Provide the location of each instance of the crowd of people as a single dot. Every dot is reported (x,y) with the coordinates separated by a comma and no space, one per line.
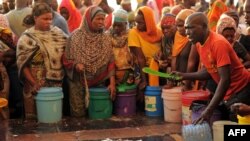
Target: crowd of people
(79,44)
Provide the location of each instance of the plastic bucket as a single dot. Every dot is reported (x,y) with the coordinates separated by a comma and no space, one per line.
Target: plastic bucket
(218,129)
(187,98)
(198,106)
(49,104)
(172,104)
(125,102)
(153,101)
(243,120)
(199,132)
(100,105)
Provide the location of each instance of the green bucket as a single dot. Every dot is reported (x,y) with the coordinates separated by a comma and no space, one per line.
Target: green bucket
(100,104)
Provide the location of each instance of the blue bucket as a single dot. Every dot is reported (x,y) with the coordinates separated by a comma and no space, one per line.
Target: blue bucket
(49,104)
(153,101)
(100,104)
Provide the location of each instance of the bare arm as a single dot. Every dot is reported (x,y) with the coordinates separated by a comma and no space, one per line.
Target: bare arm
(200,75)
(223,85)
(30,78)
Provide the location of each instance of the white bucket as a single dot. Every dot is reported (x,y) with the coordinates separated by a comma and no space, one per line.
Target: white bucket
(172,104)
(218,129)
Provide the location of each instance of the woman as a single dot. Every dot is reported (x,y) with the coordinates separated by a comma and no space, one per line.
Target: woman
(89,60)
(181,46)
(144,41)
(123,58)
(39,52)
(71,14)
(227,27)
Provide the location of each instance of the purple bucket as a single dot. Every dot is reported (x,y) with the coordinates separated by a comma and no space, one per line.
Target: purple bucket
(198,106)
(125,102)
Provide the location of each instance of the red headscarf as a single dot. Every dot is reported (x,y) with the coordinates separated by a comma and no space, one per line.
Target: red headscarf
(75,16)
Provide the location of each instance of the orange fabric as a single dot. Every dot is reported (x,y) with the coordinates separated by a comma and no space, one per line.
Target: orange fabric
(217,8)
(179,43)
(153,34)
(152,79)
(75,16)
(217,52)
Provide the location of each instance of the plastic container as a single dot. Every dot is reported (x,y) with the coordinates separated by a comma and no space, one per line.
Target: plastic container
(100,104)
(187,98)
(199,132)
(172,104)
(153,101)
(198,106)
(243,120)
(218,129)
(49,104)
(125,102)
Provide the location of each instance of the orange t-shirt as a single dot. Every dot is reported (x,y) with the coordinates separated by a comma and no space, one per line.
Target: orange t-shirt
(217,52)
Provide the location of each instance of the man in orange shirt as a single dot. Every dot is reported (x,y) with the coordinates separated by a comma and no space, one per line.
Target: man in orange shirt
(220,63)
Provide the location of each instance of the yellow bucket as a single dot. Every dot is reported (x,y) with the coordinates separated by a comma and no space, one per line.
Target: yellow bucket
(243,120)
(3,102)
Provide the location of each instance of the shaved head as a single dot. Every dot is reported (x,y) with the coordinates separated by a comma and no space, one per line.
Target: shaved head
(198,18)
(196,26)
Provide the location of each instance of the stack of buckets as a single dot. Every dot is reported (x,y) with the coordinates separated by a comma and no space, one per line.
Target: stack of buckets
(172,104)
(100,104)
(49,104)
(125,102)
(187,98)
(153,101)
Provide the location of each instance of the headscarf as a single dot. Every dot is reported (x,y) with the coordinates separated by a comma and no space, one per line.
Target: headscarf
(176,9)
(120,15)
(165,10)
(153,34)
(93,49)
(183,14)
(125,2)
(96,2)
(75,16)
(179,40)
(6,39)
(217,8)
(225,22)
(168,19)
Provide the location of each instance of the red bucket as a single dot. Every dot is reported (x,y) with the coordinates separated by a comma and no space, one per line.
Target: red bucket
(187,98)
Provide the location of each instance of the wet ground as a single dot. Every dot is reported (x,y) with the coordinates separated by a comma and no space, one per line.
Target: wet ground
(139,127)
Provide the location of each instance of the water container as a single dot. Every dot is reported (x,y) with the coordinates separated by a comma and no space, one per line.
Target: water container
(172,104)
(49,104)
(198,106)
(187,98)
(125,102)
(198,132)
(243,120)
(100,104)
(153,101)
(218,129)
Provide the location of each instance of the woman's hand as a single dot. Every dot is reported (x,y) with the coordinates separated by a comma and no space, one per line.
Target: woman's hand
(240,109)
(79,67)
(35,88)
(112,90)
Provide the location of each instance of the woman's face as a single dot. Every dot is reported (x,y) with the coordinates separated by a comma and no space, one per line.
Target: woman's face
(43,21)
(229,34)
(180,27)
(98,22)
(168,30)
(140,23)
(65,13)
(119,27)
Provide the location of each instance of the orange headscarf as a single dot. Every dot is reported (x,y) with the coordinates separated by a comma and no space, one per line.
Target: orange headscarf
(218,8)
(153,34)
(179,43)
(75,16)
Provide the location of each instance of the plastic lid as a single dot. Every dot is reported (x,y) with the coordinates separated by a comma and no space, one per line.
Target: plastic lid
(189,96)
(45,90)
(124,88)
